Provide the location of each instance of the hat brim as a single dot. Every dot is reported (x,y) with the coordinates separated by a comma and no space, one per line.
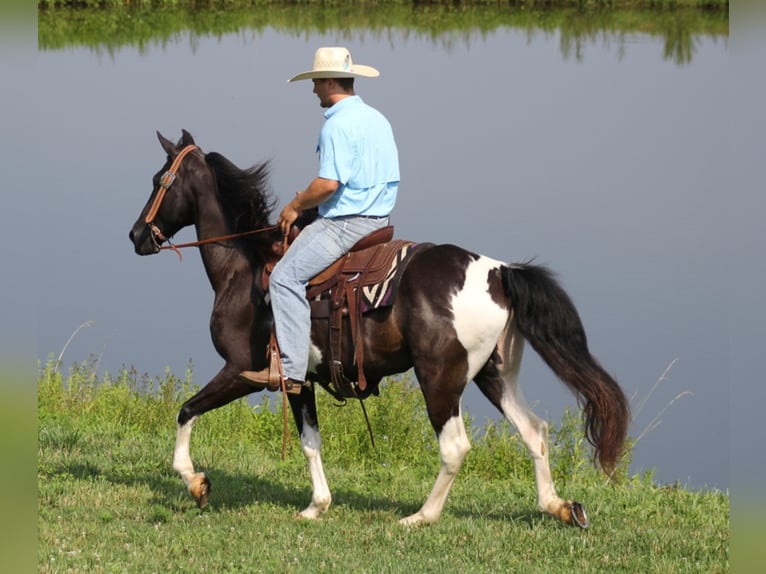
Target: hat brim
(355,71)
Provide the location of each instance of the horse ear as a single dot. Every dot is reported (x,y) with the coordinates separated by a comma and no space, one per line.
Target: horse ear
(186,138)
(167,145)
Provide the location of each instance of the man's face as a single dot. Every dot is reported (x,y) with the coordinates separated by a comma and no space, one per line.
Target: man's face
(322,90)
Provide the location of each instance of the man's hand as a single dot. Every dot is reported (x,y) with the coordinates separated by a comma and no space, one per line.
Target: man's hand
(288,216)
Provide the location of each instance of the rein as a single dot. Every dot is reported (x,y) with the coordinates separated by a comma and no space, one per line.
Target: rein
(166,181)
(179,246)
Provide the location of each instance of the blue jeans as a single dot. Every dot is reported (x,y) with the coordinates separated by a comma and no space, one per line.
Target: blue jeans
(317,246)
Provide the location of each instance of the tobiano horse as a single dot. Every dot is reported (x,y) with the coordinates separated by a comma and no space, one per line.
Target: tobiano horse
(457,317)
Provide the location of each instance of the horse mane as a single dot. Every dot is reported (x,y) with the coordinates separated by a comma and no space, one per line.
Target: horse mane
(245,199)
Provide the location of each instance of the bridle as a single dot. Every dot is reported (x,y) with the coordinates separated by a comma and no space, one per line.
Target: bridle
(166,180)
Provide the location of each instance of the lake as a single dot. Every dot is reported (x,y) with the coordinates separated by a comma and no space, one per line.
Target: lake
(600,155)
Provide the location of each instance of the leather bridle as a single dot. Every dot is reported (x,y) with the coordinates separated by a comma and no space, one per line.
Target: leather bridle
(166,180)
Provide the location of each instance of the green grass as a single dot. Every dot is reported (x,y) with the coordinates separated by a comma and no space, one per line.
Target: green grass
(109,501)
(367,3)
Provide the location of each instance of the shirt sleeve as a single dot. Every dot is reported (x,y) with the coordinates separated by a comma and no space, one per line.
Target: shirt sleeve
(336,153)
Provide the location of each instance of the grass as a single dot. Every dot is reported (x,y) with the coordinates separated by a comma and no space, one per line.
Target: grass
(109,501)
(363,3)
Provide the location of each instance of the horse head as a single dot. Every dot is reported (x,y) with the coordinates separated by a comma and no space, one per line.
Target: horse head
(171,205)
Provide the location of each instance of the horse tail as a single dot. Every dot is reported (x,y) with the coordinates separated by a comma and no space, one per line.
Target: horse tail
(547,318)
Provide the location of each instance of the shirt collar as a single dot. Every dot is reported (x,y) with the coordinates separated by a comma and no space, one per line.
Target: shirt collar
(345,102)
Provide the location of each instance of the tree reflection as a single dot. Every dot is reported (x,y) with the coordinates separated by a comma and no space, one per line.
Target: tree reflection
(445,25)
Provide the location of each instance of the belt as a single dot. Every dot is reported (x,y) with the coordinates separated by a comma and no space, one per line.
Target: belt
(360,217)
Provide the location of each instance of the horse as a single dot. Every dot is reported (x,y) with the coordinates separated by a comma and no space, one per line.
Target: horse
(457,317)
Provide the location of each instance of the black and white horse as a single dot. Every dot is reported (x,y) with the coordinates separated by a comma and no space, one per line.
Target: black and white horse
(457,317)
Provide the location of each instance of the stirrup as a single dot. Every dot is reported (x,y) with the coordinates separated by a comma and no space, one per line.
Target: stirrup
(265,379)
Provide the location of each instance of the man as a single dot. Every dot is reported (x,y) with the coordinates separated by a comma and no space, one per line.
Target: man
(354,192)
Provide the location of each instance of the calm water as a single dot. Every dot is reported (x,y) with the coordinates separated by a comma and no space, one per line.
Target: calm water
(606,167)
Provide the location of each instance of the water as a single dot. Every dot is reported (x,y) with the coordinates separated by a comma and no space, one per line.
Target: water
(604,165)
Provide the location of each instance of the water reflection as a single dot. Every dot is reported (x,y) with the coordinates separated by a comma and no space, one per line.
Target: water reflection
(681,35)
(447,26)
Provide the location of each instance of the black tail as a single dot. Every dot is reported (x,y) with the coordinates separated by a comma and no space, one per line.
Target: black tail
(547,318)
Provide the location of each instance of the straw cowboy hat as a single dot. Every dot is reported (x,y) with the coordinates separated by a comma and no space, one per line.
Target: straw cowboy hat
(335,63)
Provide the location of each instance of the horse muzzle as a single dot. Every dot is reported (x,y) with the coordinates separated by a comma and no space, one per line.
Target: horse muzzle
(146,238)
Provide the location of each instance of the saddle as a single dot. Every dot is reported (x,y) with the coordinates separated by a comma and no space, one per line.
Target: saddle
(343,292)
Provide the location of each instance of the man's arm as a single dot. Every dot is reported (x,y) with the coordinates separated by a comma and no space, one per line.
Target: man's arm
(318,191)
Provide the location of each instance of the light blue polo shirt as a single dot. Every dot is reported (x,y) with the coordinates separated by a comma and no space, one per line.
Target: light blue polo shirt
(356,148)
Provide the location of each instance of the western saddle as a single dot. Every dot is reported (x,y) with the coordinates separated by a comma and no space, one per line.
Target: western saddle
(335,294)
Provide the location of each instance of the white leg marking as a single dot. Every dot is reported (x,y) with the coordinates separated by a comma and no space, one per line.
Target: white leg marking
(196,483)
(182,462)
(533,430)
(453,447)
(478,320)
(315,358)
(320,494)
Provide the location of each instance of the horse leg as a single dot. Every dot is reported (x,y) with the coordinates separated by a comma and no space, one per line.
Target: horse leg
(222,389)
(453,447)
(446,418)
(197,484)
(498,381)
(305,415)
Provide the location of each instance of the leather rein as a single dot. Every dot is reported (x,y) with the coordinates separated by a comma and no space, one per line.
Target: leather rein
(166,180)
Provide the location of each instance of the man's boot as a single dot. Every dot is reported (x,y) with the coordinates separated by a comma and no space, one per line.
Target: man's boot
(269,379)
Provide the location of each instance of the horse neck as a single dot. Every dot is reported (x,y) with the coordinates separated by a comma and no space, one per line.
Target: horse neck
(219,259)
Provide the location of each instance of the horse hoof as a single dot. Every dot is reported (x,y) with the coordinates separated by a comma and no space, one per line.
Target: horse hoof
(200,490)
(579,518)
(316,509)
(418,519)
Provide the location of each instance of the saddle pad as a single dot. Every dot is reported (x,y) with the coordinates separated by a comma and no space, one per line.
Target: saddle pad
(382,293)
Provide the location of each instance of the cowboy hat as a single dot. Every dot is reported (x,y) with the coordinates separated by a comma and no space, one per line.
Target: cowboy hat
(335,63)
